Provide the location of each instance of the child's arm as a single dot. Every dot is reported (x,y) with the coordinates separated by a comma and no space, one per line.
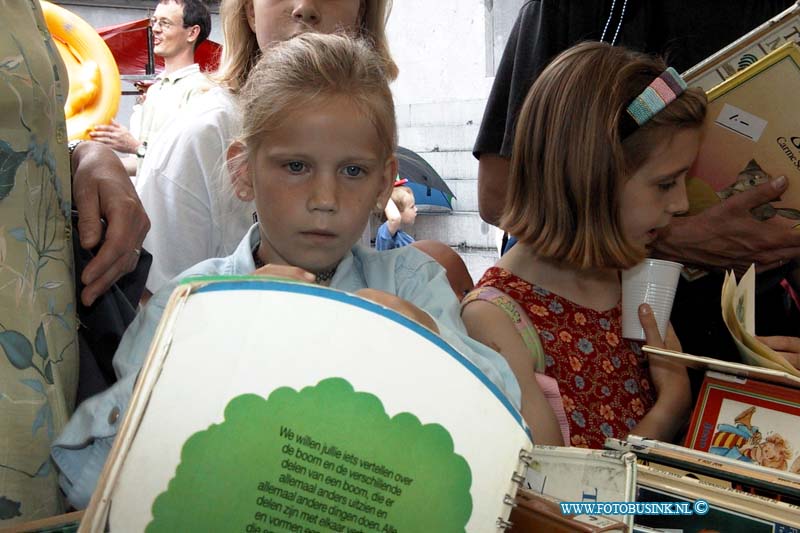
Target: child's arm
(488,324)
(392,217)
(403,307)
(674,397)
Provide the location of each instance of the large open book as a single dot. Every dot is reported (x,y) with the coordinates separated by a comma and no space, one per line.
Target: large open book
(274,406)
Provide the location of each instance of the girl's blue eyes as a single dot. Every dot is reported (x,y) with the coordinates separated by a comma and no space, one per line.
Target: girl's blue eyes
(351,171)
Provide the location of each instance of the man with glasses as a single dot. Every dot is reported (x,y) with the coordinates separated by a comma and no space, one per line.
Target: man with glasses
(179,26)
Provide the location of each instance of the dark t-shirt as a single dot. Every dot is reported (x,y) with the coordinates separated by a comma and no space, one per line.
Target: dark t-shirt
(685,34)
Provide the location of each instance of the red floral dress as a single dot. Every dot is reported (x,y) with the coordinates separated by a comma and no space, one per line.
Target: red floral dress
(603,378)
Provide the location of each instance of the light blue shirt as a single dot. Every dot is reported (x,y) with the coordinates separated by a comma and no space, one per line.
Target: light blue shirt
(384,240)
(83,446)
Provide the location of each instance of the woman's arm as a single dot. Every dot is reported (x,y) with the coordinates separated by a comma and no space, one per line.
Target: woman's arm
(490,326)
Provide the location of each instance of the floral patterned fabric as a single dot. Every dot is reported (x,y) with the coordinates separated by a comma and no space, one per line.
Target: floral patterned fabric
(38,352)
(602,377)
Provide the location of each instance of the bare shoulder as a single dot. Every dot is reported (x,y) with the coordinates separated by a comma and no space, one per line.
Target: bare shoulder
(489,324)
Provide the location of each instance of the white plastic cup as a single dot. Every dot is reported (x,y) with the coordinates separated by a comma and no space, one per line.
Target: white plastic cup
(653,281)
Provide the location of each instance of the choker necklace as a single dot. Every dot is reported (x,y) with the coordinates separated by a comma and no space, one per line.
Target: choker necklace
(320,277)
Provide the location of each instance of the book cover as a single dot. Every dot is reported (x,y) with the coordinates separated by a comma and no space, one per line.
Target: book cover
(740,54)
(713,468)
(747,420)
(728,510)
(751,136)
(539,512)
(275,406)
(582,475)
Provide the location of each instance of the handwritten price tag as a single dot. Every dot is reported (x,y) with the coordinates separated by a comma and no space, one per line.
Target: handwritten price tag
(739,121)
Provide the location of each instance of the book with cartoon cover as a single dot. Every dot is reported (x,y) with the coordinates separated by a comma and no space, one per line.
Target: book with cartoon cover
(747,420)
(266,405)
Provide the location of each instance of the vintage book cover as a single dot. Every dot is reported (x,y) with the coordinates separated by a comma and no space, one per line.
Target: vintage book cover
(751,136)
(740,54)
(727,510)
(539,512)
(582,475)
(274,406)
(747,420)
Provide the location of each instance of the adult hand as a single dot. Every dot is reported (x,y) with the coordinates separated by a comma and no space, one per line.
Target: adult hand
(116,136)
(727,236)
(403,307)
(101,189)
(285,271)
(789,347)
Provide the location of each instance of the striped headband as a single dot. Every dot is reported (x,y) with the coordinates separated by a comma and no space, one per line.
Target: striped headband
(658,95)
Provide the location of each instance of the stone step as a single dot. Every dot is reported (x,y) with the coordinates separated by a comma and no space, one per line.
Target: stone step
(463,112)
(435,138)
(463,229)
(478,261)
(460,165)
(466,195)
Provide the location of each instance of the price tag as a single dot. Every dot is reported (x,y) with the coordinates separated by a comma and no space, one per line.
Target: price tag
(741,122)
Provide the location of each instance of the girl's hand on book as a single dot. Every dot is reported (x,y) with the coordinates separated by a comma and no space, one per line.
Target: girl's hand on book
(285,271)
(788,347)
(403,307)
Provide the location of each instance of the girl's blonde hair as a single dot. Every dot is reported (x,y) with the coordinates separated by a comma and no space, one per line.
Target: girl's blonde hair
(402,197)
(241,52)
(574,149)
(310,68)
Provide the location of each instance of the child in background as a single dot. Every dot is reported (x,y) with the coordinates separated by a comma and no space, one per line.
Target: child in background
(400,211)
(603,144)
(316,155)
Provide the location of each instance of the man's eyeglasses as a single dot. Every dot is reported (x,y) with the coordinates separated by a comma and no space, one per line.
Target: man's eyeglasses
(164,24)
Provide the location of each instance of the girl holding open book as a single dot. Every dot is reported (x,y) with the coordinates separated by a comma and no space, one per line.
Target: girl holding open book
(316,155)
(603,145)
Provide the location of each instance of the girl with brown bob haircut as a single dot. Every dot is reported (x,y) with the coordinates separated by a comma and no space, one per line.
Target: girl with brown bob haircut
(604,141)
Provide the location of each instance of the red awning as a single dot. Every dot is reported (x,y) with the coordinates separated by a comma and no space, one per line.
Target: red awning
(128,43)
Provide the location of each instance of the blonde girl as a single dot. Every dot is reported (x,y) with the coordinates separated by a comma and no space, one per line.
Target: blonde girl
(598,172)
(316,154)
(183,183)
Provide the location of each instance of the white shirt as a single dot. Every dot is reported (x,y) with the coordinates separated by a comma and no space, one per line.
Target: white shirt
(186,191)
(167,96)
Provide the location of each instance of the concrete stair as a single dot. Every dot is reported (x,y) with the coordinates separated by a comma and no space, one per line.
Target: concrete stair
(444,134)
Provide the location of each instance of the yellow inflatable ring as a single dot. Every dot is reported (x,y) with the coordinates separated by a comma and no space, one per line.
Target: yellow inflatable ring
(94,82)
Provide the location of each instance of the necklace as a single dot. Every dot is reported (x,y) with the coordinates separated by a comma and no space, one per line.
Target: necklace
(319,277)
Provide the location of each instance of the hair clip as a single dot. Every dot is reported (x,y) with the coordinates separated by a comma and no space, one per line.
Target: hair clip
(658,95)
